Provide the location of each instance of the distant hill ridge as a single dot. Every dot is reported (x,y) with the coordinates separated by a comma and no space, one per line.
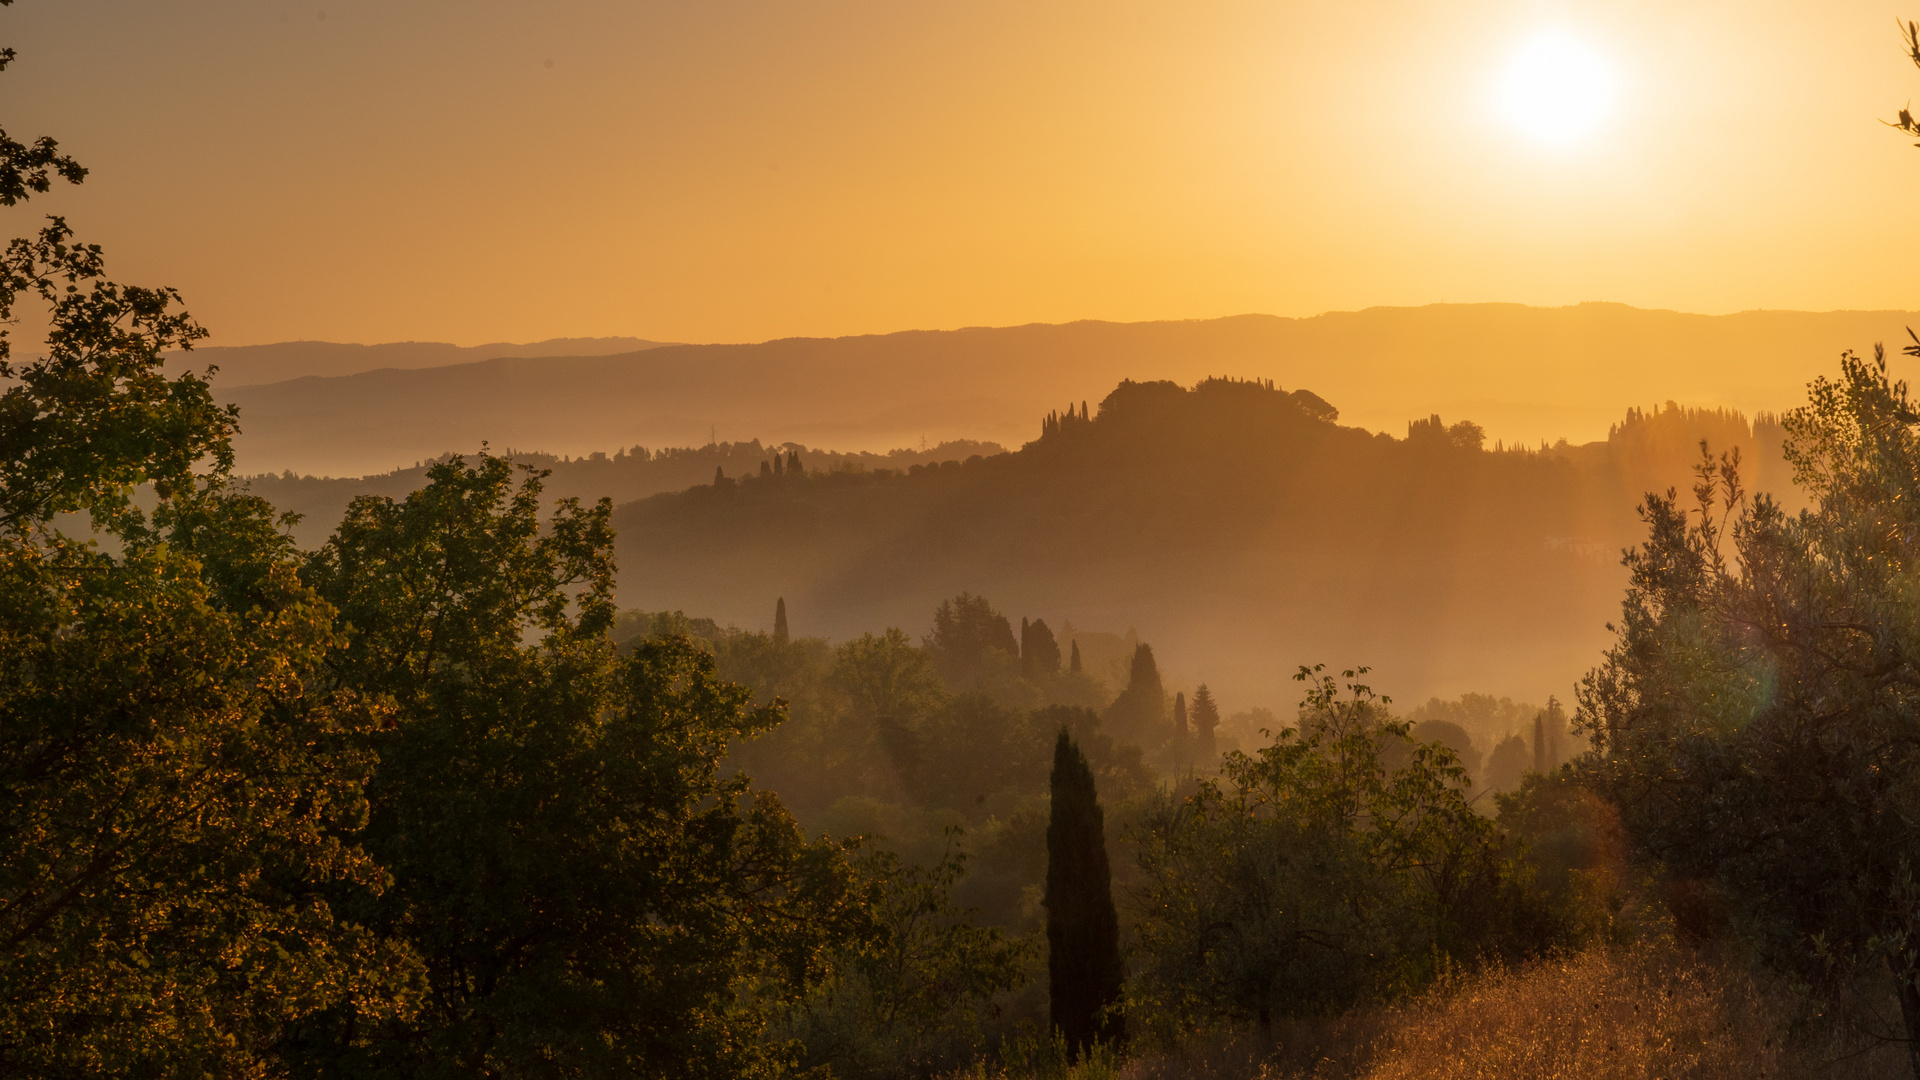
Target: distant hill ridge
(1524,374)
(250,365)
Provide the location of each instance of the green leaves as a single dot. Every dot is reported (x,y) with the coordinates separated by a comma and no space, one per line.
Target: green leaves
(587,888)
(83,425)
(1757,715)
(176,794)
(1336,862)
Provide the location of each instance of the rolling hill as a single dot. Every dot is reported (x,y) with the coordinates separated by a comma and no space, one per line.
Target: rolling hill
(1526,374)
(1239,527)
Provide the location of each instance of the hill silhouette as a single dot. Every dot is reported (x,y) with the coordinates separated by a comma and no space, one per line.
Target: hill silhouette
(248,365)
(1524,373)
(1238,526)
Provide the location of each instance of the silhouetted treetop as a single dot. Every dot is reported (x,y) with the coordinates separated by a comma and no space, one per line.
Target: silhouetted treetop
(966,632)
(1039,649)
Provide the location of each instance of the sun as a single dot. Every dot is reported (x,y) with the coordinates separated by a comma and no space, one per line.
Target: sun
(1556,89)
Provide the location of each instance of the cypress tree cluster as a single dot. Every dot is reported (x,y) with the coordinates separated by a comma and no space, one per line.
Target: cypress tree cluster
(1054,422)
(1083,930)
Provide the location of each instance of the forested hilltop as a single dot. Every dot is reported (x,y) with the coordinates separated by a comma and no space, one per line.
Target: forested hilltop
(1236,521)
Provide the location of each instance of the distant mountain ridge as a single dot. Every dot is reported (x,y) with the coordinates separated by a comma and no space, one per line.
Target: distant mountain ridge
(251,365)
(1525,374)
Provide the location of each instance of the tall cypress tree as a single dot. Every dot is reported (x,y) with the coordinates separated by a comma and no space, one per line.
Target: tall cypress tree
(1083,930)
(1074,665)
(780,620)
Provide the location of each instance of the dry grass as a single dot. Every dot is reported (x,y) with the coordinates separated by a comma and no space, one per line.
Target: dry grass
(1604,1014)
(1614,1015)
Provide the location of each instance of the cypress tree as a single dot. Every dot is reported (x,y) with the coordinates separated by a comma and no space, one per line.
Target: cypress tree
(1083,930)
(780,621)
(766,471)
(1026,648)
(1540,743)
(719,474)
(1180,715)
(1073,665)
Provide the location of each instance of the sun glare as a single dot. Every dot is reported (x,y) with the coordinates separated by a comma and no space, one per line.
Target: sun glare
(1556,89)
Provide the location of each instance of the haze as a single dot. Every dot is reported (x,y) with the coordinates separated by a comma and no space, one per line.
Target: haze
(731,172)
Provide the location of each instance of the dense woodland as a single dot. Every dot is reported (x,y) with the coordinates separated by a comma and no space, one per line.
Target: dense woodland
(425,801)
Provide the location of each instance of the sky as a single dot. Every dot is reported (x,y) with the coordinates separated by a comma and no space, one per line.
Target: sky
(728,171)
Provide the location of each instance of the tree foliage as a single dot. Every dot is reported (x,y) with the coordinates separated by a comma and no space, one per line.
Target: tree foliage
(967,635)
(917,997)
(588,890)
(1139,714)
(179,787)
(1312,874)
(1757,719)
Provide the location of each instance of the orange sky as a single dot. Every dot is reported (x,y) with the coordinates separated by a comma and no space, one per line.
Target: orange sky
(734,171)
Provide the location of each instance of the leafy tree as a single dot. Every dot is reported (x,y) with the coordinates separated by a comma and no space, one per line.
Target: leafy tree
(890,685)
(589,891)
(176,780)
(1507,764)
(1453,737)
(1206,721)
(1039,650)
(966,632)
(1083,929)
(1311,874)
(976,748)
(1139,713)
(1756,720)
(28,169)
(915,999)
